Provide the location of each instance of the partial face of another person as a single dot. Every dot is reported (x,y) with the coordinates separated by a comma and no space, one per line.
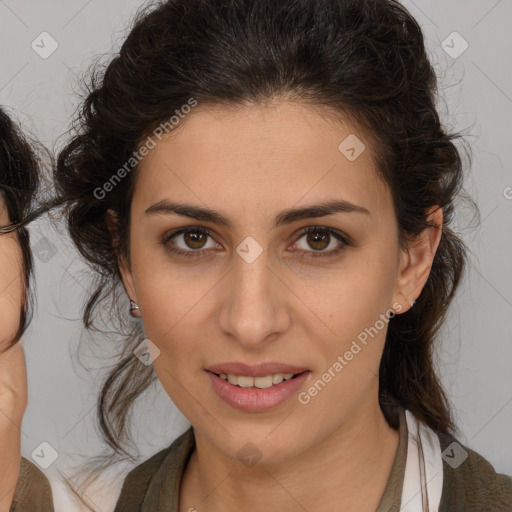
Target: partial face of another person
(257,287)
(11,281)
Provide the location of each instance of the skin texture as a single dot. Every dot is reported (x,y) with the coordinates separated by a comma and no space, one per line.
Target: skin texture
(13,373)
(250,164)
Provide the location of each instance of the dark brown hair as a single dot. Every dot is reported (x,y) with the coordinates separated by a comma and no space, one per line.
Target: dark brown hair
(364,60)
(20,168)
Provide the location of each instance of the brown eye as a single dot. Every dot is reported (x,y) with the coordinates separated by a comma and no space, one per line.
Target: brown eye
(194,239)
(319,239)
(188,242)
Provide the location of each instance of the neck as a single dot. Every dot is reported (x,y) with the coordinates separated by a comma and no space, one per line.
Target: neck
(355,462)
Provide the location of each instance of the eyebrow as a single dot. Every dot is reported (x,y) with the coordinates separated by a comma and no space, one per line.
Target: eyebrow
(285,217)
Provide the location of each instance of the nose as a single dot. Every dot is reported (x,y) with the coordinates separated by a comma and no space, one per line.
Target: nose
(254,306)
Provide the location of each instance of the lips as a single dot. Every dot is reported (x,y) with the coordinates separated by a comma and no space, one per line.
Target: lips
(259,370)
(253,399)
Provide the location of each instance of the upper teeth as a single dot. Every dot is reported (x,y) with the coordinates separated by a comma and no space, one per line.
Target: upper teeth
(260,382)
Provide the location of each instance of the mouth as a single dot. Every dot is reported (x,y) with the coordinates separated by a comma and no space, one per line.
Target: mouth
(261,382)
(260,393)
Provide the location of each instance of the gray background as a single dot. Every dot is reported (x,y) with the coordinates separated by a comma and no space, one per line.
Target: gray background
(476,349)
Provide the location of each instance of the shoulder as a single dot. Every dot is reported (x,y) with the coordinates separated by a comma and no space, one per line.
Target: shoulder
(170,460)
(470,481)
(136,482)
(33,492)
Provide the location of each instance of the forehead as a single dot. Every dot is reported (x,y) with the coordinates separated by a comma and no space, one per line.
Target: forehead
(257,155)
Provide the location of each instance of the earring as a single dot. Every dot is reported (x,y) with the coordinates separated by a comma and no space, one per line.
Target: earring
(134,309)
(412,303)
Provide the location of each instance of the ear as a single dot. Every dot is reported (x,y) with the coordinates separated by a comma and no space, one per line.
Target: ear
(416,261)
(4,214)
(112,221)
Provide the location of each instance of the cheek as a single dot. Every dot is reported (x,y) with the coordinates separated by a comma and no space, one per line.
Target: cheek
(169,312)
(350,312)
(353,294)
(174,305)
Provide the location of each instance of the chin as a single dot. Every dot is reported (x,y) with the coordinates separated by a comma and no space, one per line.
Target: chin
(260,444)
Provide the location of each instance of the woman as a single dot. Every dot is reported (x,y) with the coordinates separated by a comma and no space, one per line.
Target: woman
(23,487)
(271,185)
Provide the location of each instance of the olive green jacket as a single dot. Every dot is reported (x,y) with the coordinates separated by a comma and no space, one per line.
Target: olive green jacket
(472,486)
(33,492)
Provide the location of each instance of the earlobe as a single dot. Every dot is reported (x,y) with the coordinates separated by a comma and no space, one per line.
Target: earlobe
(134,309)
(416,261)
(128,284)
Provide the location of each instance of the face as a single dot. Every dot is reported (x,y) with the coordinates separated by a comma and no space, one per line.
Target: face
(258,288)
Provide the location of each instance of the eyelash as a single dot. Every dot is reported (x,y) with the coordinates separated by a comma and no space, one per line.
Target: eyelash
(346,241)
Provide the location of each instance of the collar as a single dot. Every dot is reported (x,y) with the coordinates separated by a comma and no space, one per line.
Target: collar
(423,480)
